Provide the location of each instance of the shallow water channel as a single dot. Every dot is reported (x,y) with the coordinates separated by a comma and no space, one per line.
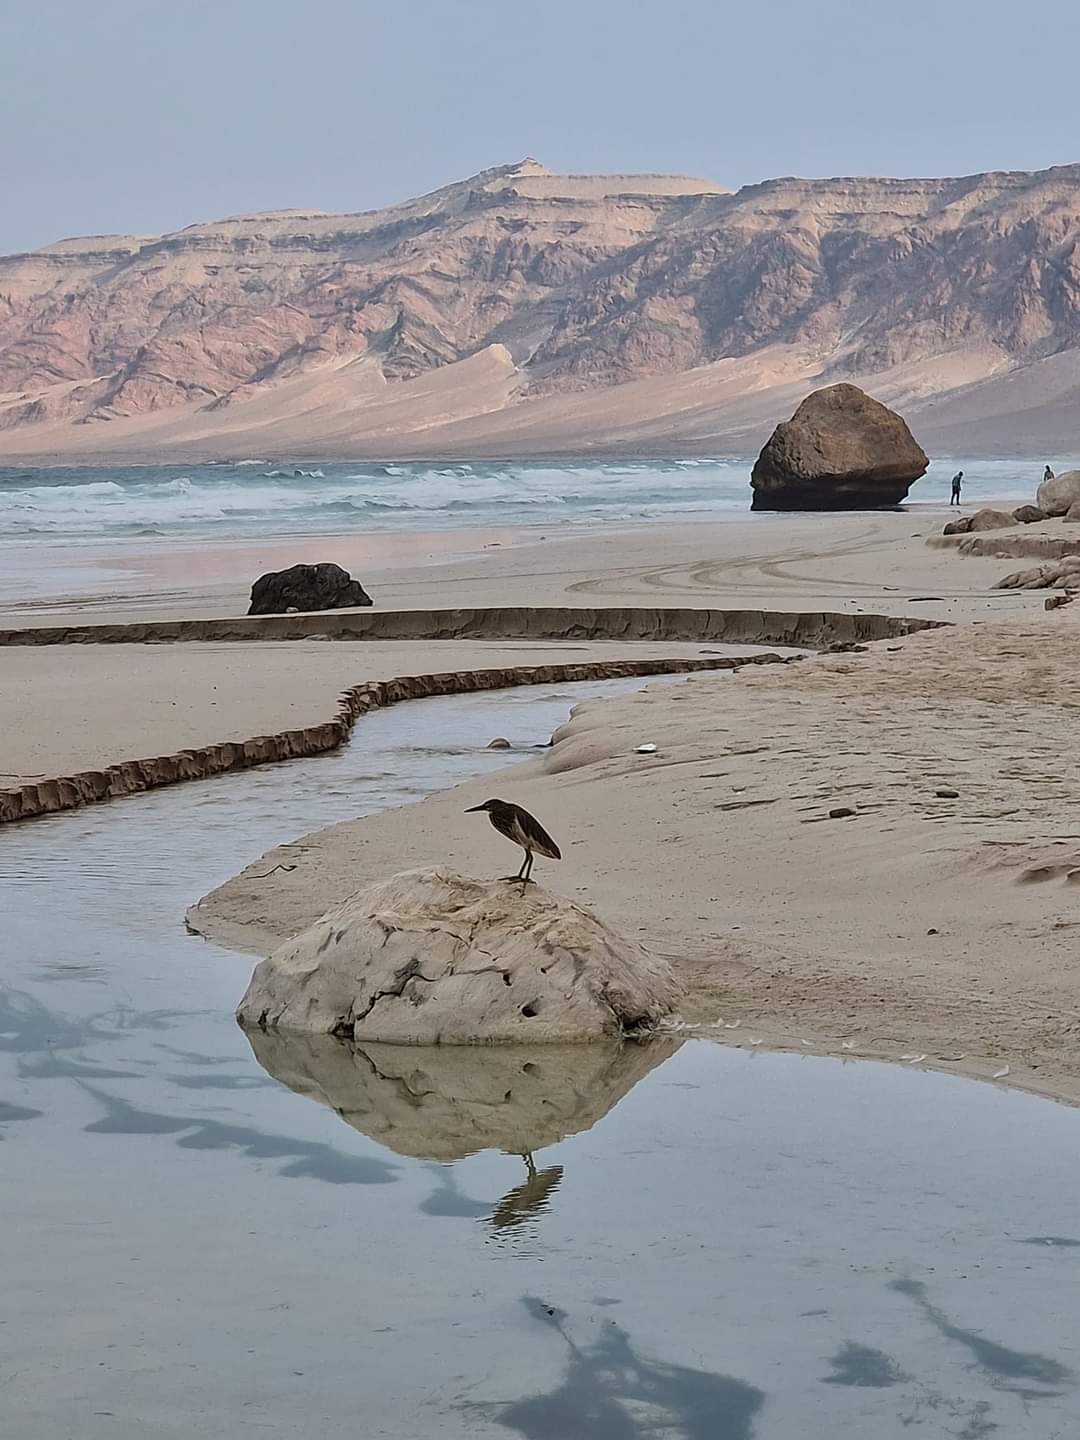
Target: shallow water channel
(660,1241)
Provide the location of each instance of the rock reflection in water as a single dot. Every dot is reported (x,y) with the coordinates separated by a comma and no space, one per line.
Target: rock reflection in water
(443,1102)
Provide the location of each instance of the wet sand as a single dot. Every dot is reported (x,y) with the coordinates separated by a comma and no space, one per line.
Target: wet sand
(877,561)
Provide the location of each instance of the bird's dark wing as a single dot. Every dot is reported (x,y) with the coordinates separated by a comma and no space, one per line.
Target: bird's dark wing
(537,837)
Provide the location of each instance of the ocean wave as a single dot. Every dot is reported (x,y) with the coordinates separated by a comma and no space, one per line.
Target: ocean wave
(242,498)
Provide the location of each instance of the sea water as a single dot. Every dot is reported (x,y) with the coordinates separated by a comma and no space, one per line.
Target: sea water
(202,1237)
(257,498)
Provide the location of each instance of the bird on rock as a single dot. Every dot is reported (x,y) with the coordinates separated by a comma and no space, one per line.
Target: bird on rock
(524,830)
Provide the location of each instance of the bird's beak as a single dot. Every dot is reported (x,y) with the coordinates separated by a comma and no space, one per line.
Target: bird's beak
(471,808)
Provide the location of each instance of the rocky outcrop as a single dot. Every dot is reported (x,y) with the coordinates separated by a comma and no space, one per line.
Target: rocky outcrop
(991,520)
(443,1102)
(306,588)
(1056,496)
(988,519)
(1056,574)
(1009,544)
(429,957)
(841,450)
(588,282)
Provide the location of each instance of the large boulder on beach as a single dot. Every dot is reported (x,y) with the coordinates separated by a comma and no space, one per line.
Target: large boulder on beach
(1056,496)
(841,450)
(430,957)
(1028,515)
(305,588)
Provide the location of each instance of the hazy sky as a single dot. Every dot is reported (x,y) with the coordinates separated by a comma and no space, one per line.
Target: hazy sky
(145,115)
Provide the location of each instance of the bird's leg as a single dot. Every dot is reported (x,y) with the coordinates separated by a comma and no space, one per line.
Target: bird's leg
(526,870)
(521,873)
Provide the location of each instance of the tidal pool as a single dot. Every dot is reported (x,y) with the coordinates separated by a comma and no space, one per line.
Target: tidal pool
(671,1240)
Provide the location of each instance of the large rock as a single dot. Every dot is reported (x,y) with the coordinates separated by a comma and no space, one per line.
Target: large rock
(1057,495)
(841,450)
(430,957)
(304,588)
(991,520)
(1028,514)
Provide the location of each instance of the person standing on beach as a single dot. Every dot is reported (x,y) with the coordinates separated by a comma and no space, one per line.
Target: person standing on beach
(1048,474)
(957,479)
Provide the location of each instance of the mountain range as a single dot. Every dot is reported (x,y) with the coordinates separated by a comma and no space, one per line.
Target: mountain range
(521,312)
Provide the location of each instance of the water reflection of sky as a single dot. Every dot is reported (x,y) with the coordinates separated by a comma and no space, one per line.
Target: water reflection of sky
(740,1245)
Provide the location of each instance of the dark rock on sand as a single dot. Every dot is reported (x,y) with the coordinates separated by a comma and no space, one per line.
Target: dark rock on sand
(991,520)
(1055,496)
(841,450)
(1028,515)
(959,527)
(306,588)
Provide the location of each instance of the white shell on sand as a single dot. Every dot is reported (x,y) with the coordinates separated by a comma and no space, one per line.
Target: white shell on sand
(430,957)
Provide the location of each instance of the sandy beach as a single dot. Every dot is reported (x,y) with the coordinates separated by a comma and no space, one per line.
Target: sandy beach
(929,928)
(875,561)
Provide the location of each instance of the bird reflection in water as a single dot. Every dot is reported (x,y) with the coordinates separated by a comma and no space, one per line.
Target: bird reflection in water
(528,1200)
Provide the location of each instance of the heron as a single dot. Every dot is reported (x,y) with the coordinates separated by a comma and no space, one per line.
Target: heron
(524,830)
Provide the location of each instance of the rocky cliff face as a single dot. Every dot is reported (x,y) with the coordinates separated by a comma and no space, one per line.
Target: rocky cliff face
(416,326)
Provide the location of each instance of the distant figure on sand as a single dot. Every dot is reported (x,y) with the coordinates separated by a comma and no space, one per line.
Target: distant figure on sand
(1048,474)
(957,480)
